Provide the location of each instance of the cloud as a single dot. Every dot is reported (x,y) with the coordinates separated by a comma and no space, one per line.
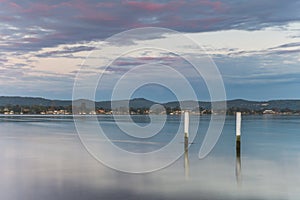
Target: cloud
(66,51)
(288,48)
(39,37)
(39,24)
(293,44)
(258,70)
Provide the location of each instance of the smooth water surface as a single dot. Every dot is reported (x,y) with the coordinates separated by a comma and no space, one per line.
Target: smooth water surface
(43,158)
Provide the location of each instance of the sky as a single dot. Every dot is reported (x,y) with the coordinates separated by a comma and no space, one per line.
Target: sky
(254,44)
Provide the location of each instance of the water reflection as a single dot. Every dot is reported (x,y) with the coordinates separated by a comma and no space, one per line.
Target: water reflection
(45,160)
(186,160)
(238,169)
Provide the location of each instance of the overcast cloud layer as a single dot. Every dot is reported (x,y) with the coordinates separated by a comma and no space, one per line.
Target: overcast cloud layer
(256,44)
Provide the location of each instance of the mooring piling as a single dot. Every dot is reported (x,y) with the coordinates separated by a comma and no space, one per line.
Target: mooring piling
(238,169)
(186,130)
(238,133)
(186,144)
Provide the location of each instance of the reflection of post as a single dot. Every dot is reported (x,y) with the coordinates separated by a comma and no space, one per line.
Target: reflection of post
(238,169)
(186,145)
(186,164)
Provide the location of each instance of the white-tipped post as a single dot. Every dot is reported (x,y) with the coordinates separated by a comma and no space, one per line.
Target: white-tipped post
(238,133)
(186,130)
(238,147)
(238,123)
(186,123)
(186,144)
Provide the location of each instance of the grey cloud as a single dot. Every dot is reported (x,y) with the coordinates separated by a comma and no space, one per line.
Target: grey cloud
(285,49)
(255,69)
(280,52)
(55,22)
(294,44)
(66,51)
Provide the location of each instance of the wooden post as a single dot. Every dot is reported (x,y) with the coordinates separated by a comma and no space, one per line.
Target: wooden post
(186,130)
(238,169)
(186,144)
(238,133)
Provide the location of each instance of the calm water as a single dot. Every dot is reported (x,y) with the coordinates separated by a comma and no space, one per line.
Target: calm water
(43,158)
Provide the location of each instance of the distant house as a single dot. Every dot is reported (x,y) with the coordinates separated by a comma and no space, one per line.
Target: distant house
(269,112)
(101,111)
(92,113)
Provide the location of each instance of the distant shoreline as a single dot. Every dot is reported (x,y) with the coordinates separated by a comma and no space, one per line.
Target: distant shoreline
(89,115)
(141,106)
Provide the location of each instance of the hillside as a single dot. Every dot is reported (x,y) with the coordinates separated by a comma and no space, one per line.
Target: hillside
(144,103)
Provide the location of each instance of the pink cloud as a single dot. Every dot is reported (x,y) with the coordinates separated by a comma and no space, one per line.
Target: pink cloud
(148,6)
(40,8)
(31,39)
(182,20)
(96,16)
(86,10)
(14,5)
(174,5)
(158,58)
(106,4)
(7,18)
(91,12)
(127,63)
(215,5)
(31,9)
(147,58)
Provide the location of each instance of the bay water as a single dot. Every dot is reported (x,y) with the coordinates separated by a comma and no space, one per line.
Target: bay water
(42,157)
